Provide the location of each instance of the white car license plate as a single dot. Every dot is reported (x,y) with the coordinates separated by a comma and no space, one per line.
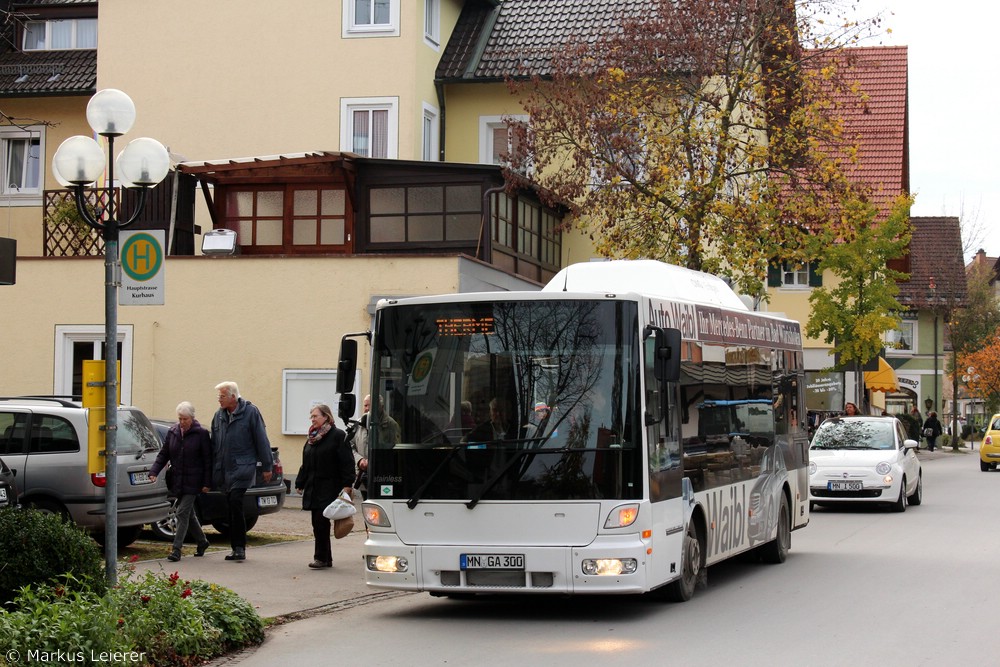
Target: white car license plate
(491,561)
(141,477)
(267,501)
(844,486)
(3,495)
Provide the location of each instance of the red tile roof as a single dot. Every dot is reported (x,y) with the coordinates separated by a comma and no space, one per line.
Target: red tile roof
(935,260)
(878,121)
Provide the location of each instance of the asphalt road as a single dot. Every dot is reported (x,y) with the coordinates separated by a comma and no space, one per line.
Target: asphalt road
(859,587)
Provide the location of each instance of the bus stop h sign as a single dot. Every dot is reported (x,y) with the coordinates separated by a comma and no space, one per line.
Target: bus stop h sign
(142,258)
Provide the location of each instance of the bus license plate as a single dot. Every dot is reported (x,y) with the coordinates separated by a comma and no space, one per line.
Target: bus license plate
(141,477)
(267,501)
(844,486)
(491,561)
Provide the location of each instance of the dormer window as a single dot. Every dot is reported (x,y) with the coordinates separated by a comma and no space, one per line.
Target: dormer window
(60,34)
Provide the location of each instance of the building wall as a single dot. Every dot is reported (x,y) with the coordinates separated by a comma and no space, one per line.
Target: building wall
(241,318)
(233,78)
(63,118)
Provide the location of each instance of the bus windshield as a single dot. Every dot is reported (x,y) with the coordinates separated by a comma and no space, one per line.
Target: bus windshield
(506,400)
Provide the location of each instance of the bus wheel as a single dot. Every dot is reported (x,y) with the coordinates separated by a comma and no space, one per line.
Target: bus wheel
(776,550)
(692,564)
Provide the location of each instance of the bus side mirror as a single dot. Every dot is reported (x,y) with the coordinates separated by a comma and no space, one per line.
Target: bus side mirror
(346,407)
(347,366)
(668,355)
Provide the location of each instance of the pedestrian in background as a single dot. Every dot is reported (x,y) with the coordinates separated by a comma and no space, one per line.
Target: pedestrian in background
(850,409)
(327,471)
(239,442)
(188,450)
(915,426)
(932,430)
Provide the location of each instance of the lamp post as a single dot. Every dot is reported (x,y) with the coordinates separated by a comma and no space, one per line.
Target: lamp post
(77,163)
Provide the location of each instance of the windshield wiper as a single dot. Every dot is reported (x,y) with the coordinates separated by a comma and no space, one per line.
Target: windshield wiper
(412,502)
(510,464)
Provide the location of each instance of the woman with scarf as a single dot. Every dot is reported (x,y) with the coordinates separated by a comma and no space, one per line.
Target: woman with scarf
(327,471)
(188,449)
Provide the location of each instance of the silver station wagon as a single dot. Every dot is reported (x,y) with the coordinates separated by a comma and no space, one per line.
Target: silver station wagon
(45,440)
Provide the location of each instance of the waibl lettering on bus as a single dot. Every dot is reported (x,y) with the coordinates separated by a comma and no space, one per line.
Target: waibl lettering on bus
(727,512)
(670,315)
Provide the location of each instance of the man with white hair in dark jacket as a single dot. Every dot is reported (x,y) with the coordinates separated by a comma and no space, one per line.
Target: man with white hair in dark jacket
(239,441)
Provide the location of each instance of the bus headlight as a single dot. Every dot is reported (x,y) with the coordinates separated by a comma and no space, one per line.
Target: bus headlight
(612,566)
(622,516)
(375,515)
(387,563)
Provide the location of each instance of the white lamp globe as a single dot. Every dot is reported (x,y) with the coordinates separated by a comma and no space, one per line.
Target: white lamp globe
(144,162)
(78,160)
(111,112)
(59,177)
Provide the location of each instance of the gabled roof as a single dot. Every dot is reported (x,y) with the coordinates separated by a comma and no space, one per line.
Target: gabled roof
(937,273)
(879,121)
(517,37)
(45,73)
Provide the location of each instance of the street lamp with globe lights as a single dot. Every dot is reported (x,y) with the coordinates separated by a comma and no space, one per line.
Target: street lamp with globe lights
(78,163)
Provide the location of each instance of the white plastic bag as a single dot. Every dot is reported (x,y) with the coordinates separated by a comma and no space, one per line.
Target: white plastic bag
(341,508)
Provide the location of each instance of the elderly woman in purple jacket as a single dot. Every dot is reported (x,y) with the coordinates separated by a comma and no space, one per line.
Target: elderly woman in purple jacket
(188,449)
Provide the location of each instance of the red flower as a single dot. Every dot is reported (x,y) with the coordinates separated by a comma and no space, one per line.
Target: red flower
(134,558)
(121,621)
(187,592)
(174,577)
(60,591)
(145,599)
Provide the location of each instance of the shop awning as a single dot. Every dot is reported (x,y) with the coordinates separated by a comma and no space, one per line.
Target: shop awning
(884,379)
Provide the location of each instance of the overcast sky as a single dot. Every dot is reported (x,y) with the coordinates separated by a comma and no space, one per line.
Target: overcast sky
(952,48)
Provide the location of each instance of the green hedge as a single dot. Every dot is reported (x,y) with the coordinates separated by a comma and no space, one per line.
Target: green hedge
(39,547)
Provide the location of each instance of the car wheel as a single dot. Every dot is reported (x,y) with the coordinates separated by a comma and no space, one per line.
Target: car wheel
(222,525)
(900,504)
(917,496)
(166,528)
(46,506)
(692,565)
(776,551)
(126,536)
(983,465)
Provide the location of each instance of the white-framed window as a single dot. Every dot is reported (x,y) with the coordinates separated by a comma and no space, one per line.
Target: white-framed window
(902,341)
(74,343)
(60,34)
(371,18)
(431,137)
(369,126)
(432,23)
(495,138)
(794,275)
(21,170)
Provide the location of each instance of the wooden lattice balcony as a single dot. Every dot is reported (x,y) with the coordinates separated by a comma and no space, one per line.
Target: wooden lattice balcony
(65,233)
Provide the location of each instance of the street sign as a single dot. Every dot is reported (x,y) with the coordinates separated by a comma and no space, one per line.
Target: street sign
(142,258)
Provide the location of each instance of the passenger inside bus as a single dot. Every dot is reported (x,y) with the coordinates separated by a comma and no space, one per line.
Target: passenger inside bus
(495,428)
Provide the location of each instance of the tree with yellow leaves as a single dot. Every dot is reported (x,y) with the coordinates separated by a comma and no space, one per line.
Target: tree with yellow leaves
(701,134)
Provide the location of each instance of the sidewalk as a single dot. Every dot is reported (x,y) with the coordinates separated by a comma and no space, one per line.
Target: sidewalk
(275,578)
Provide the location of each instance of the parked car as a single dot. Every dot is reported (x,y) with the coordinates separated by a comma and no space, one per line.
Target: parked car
(989,452)
(262,498)
(45,442)
(864,460)
(8,486)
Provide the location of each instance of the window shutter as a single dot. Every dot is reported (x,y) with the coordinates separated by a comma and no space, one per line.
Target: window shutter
(774,275)
(815,275)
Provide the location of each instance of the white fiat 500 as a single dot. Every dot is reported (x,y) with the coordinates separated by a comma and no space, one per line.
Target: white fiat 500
(864,460)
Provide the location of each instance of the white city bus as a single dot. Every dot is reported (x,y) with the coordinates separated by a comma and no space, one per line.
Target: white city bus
(617,432)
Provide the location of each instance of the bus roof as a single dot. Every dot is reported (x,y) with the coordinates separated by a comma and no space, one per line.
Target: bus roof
(647,277)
